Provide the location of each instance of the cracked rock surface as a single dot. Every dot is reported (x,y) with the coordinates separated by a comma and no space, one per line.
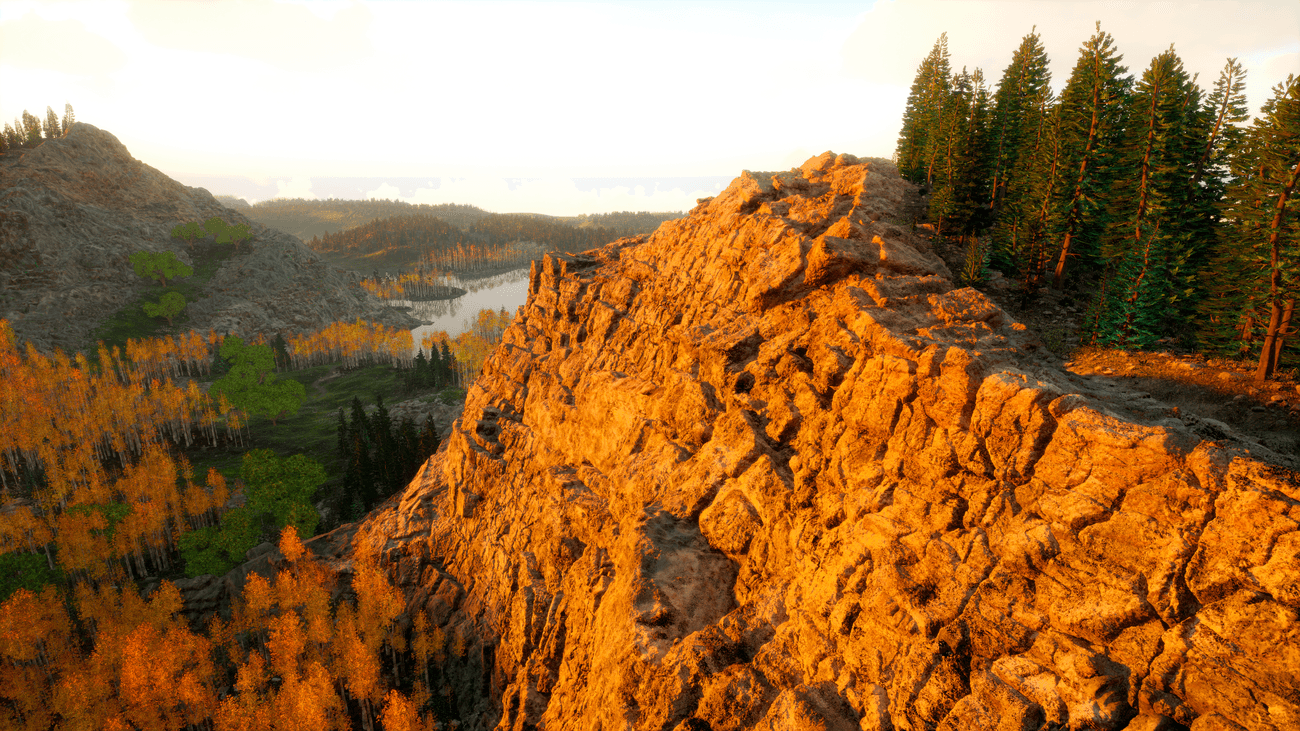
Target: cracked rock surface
(767,468)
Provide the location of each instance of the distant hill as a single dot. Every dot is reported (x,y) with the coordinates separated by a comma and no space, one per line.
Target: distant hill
(391,236)
(495,242)
(307,218)
(626,223)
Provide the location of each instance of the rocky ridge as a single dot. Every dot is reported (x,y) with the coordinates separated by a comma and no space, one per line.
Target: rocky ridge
(767,469)
(74,209)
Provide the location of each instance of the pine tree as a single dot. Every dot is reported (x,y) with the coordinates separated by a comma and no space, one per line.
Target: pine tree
(921,118)
(52,127)
(68,118)
(959,202)
(419,371)
(1018,136)
(1228,102)
(344,436)
(31,129)
(448,365)
(11,137)
(281,350)
(408,450)
(360,423)
(429,441)
(1152,240)
(435,371)
(1260,253)
(1016,108)
(385,449)
(1041,184)
(1092,106)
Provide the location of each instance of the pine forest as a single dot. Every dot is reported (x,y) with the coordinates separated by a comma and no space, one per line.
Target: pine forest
(1145,194)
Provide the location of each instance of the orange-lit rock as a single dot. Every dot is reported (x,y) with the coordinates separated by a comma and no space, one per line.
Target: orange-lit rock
(767,468)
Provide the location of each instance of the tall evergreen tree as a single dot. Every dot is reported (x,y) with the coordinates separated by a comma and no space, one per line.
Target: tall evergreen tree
(448,364)
(68,117)
(960,170)
(1035,192)
(1258,269)
(436,369)
(11,137)
(1092,106)
(921,117)
(419,371)
(360,423)
(31,129)
(1019,132)
(344,436)
(386,467)
(52,127)
(1152,241)
(1228,104)
(1016,108)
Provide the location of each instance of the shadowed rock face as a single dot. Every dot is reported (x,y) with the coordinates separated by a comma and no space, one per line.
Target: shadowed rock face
(74,209)
(766,468)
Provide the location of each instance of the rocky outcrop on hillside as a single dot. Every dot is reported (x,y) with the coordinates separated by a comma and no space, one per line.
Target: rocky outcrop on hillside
(767,468)
(74,209)
(234,203)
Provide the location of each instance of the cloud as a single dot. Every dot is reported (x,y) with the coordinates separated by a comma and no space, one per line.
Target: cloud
(296,187)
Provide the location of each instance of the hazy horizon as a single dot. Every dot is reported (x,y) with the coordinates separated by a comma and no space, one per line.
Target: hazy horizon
(560,108)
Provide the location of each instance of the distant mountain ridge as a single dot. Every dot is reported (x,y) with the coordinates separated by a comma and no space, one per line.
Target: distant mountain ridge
(306,218)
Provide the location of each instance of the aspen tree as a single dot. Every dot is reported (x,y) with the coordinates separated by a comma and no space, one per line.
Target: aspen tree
(400,714)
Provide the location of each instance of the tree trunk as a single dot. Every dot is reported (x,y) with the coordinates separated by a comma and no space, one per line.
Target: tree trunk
(1282,332)
(1266,354)
(1265,368)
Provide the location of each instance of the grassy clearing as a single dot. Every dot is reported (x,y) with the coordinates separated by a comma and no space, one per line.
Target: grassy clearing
(313,431)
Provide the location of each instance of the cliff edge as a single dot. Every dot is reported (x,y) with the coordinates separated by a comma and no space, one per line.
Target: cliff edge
(767,468)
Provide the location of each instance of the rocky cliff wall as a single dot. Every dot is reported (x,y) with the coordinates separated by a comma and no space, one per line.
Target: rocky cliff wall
(74,209)
(767,468)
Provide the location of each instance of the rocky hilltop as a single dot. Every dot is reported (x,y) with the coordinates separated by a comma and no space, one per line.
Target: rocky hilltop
(74,209)
(767,468)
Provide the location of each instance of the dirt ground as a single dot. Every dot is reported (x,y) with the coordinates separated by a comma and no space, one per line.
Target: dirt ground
(1204,393)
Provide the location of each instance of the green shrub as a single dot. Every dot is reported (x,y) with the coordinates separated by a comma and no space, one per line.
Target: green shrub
(28,571)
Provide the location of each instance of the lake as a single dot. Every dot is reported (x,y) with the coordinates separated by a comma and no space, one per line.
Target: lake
(508,290)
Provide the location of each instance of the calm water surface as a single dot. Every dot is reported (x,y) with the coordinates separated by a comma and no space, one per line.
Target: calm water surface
(509,290)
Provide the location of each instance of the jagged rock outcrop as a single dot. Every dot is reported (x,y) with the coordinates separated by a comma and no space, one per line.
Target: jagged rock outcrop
(74,209)
(767,468)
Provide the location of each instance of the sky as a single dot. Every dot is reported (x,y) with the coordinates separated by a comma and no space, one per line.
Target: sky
(552,107)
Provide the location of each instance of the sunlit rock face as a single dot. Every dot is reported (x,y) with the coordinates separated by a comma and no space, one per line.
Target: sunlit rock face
(768,468)
(74,209)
